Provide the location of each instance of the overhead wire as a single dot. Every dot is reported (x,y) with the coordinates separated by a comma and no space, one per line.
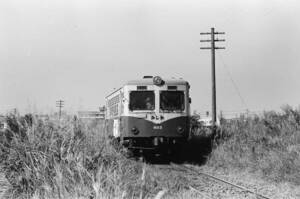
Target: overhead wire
(232,81)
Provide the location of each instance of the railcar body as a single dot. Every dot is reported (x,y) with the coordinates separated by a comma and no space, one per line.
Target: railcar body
(149,114)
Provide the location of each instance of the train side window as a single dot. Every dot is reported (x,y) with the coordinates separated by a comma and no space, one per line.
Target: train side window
(141,100)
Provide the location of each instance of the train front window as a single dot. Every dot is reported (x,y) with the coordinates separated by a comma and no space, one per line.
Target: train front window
(172,100)
(141,100)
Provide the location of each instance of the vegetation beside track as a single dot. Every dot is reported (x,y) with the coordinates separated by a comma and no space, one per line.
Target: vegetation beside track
(268,144)
(67,158)
(63,159)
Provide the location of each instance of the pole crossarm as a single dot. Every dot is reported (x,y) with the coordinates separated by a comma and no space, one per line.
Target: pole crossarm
(205,40)
(205,33)
(208,40)
(209,48)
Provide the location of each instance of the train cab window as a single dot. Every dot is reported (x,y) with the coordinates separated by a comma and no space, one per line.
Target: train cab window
(141,100)
(172,101)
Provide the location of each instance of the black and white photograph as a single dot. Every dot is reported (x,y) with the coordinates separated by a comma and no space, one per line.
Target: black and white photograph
(149,99)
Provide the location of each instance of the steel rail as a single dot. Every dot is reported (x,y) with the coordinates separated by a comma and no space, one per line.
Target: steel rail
(224,181)
(171,167)
(200,193)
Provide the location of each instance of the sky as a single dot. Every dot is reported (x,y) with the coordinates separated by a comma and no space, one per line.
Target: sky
(80,50)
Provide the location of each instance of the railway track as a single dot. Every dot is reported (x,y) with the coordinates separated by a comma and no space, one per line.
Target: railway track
(209,186)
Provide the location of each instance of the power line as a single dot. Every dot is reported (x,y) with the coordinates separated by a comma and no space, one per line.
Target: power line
(233,82)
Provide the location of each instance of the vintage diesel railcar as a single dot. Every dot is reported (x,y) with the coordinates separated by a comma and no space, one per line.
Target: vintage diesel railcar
(149,114)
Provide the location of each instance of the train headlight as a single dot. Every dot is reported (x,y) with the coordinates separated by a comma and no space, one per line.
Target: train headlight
(135,131)
(180,129)
(157,80)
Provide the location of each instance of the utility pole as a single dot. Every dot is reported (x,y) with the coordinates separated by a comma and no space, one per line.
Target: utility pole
(212,41)
(60,104)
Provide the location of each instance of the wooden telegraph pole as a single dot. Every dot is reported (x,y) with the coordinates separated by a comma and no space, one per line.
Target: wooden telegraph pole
(212,41)
(60,104)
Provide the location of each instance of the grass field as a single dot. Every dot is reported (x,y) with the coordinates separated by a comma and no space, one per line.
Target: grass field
(267,144)
(68,158)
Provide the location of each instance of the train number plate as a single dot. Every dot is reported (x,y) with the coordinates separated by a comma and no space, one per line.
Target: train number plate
(157,127)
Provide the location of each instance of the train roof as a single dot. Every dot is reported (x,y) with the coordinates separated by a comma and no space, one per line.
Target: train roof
(149,81)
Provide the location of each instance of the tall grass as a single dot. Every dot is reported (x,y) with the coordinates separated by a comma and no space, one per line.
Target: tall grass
(269,144)
(68,158)
(63,159)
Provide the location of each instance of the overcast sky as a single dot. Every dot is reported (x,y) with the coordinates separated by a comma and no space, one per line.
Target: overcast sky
(79,50)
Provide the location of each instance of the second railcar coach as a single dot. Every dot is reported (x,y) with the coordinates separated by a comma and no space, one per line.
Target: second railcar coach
(150,114)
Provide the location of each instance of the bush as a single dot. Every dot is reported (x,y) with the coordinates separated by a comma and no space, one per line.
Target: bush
(63,159)
(268,144)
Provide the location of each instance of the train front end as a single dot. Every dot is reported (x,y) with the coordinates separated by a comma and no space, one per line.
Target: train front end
(156,114)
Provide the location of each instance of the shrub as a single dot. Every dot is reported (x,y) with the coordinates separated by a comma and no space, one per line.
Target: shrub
(61,159)
(268,144)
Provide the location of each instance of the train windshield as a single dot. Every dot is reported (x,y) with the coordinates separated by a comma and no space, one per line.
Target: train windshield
(172,101)
(141,100)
